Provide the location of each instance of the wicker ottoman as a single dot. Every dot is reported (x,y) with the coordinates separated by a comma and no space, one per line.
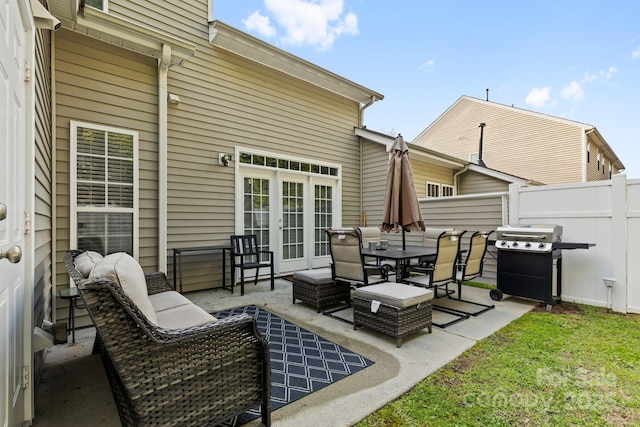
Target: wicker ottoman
(403,309)
(317,288)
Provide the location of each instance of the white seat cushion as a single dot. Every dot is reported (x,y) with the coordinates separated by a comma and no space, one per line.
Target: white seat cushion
(86,261)
(395,294)
(183,316)
(124,270)
(166,300)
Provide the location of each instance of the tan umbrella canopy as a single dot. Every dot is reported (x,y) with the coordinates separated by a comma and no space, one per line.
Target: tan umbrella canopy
(401,206)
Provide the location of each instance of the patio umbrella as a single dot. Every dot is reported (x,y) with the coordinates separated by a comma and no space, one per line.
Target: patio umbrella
(401,206)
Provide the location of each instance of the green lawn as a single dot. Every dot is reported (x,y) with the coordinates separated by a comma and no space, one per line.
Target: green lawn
(574,366)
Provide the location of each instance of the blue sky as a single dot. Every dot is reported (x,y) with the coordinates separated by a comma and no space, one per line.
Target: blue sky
(578,60)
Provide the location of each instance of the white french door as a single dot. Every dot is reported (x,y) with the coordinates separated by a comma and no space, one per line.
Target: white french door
(293,223)
(289,213)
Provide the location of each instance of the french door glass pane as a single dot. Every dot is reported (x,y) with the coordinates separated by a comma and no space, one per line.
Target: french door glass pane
(323,218)
(292,220)
(256,210)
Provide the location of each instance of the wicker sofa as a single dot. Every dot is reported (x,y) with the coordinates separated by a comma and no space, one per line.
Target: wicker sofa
(204,374)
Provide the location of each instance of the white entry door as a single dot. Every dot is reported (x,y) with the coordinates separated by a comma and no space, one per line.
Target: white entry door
(13,50)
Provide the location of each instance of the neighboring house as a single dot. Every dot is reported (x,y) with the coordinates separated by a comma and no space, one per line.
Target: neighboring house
(435,176)
(126,133)
(547,149)
(452,192)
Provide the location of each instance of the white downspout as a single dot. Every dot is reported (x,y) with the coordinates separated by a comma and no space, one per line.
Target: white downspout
(163,71)
(364,107)
(455,179)
(360,125)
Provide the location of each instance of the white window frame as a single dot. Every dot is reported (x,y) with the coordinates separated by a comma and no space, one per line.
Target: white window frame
(73,180)
(105,6)
(435,186)
(450,189)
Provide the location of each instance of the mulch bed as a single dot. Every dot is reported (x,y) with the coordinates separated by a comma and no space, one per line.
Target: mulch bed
(560,308)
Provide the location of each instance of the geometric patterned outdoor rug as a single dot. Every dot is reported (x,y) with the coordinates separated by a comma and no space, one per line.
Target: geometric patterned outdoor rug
(301,361)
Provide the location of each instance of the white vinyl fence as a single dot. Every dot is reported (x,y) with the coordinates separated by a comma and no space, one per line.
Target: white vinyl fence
(606,213)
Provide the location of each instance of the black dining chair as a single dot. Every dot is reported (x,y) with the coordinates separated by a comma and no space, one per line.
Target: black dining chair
(247,255)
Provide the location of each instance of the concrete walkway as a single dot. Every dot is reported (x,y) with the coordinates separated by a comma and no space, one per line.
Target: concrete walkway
(74,390)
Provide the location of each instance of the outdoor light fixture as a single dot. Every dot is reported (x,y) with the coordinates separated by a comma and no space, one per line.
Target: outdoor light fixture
(174,99)
(609,282)
(224,159)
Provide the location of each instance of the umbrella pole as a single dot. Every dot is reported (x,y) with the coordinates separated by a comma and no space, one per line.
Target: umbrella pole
(404,244)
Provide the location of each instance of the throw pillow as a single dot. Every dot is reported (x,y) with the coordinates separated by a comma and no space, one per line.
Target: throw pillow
(124,270)
(86,261)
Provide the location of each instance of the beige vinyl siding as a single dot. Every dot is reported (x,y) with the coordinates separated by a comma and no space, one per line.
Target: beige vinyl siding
(230,102)
(472,182)
(375,160)
(226,102)
(467,213)
(423,172)
(102,84)
(593,172)
(518,143)
(42,221)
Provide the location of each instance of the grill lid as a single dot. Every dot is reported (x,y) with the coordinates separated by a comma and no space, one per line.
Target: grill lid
(530,232)
(528,237)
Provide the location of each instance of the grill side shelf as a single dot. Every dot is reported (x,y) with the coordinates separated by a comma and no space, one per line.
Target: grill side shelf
(571,245)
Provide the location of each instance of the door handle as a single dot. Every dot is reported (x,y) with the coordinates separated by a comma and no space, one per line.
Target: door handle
(3,211)
(13,254)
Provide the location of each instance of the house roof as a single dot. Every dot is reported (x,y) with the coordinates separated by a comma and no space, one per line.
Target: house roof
(120,31)
(588,129)
(233,40)
(431,156)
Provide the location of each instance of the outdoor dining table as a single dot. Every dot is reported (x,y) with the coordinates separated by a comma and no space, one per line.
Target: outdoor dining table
(402,256)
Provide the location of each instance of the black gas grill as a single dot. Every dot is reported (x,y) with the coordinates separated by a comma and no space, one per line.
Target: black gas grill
(530,261)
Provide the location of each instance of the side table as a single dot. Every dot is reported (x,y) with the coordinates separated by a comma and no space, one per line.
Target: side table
(72,294)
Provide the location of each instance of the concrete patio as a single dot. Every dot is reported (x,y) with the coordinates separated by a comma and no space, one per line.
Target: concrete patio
(74,390)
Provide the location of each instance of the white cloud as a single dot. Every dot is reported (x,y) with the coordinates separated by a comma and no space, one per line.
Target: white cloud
(589,78)
(636,53)
(538,97)
(610,72)
(573,92)
(259,24)
(427,64)
(315,23)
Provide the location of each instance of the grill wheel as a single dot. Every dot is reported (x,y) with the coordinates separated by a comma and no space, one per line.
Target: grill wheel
(495,294)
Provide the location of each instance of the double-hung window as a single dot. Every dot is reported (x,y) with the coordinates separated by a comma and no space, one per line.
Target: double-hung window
(98,4)
(104,188)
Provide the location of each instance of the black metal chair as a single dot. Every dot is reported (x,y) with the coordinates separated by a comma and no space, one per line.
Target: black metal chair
(247,255)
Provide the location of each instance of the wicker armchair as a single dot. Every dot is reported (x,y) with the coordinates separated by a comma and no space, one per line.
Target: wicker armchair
(201,375)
